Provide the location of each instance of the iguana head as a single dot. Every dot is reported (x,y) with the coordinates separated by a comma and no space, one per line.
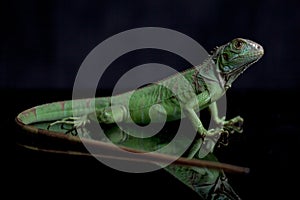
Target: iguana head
(235,57)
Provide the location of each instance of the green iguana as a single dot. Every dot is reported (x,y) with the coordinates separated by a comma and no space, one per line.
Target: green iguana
(200,88)
(208,81)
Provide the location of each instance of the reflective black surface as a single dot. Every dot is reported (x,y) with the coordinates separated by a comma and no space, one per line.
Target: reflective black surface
(45,42)
(269,146)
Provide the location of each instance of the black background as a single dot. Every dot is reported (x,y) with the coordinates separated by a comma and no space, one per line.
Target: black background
(44,43)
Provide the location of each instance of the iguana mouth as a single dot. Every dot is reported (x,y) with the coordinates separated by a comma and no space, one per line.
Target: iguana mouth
(240,70)
(231,76)
(243,67)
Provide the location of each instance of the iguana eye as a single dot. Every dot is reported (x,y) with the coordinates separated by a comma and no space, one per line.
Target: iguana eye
(238,44)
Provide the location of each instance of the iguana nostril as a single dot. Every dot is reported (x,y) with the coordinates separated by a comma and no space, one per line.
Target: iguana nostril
(261,49)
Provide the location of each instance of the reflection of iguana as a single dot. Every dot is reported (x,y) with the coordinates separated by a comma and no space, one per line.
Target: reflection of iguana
(201,87)
(207,183)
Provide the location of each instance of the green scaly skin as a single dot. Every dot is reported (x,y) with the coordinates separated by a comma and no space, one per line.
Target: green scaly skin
(201,87)
(208,81)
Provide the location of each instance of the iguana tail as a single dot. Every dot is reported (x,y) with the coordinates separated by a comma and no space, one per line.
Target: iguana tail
(61,109)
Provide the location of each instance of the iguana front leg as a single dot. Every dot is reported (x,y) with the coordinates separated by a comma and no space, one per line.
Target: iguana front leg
(215,114)
(208,138)
(232,125)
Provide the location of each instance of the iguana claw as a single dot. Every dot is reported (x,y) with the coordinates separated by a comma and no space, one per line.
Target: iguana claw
(220,136)
(234,125)
(75,122)
(231,126)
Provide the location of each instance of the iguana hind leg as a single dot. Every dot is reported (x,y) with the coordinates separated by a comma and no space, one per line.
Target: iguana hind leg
(107,115)
(75,121)
(110,115)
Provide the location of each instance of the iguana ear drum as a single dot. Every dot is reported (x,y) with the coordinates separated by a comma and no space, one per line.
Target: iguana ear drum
(225,56)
